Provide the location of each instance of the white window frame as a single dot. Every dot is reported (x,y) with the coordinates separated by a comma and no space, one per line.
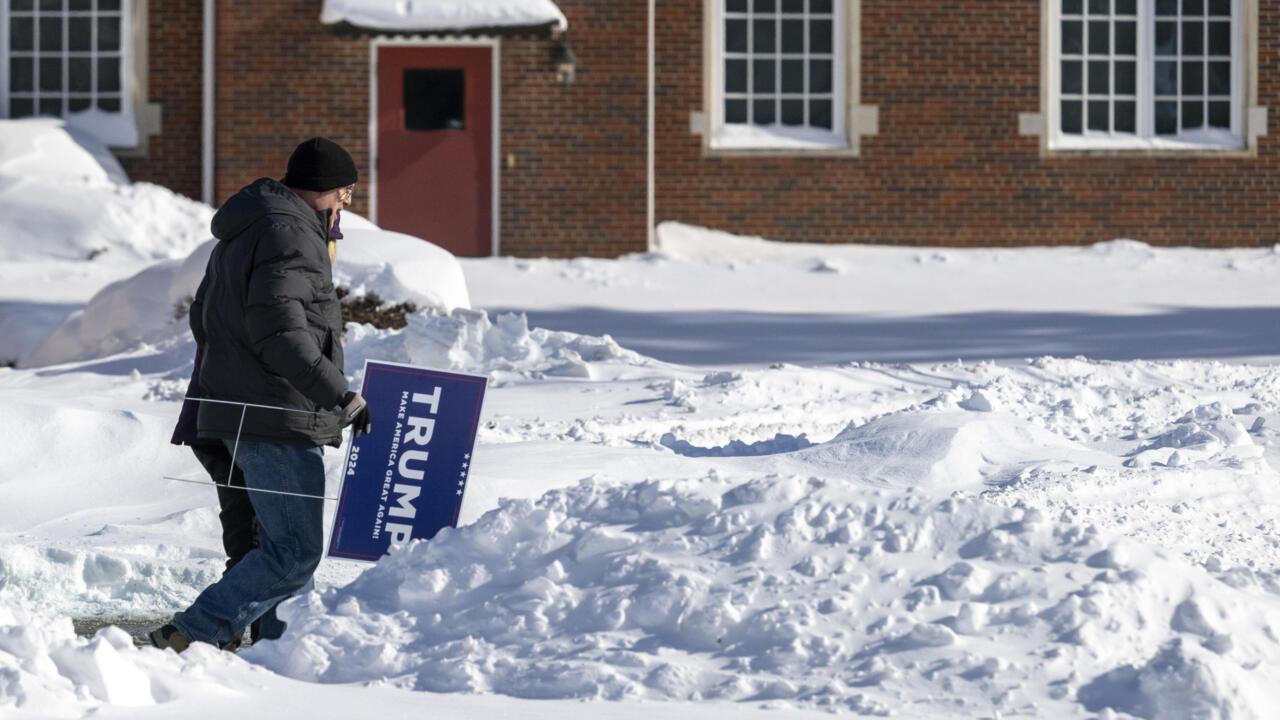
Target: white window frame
(1243,24)
(122,132)
(849,120)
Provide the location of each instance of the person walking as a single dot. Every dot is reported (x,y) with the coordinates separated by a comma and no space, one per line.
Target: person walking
(235,509)
(267,319)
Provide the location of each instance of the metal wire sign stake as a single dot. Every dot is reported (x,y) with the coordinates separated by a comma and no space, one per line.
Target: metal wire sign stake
(235,448)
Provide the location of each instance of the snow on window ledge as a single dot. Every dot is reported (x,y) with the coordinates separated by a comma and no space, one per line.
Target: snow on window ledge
(442,15)
(114,129)
(776,137)
(1208,139)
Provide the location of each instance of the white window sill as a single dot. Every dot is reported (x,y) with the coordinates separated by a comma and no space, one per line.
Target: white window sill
(776,137)
(117,130)
(1198,140)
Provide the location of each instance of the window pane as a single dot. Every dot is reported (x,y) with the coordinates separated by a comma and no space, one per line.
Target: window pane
(1193,78)
(1071,7)
(820,6)
(1099,7)
(1220,115)
(1220,38)
(1192,115)
(1220,7)
(1192,38)
(1166,118)
(792,76)
(764,6)
(820,36)
(793,36)
(1166,38)
(1219,78)
(80,34)
(1072,117)
(50,107)
(820,114)
(22,34)
(1126,116)
(22,5)
(80,75)
(50,33)
(434,99)
(792,112)
(1072,77)
(764,36)
(1126,38)
(1099,78)
(109,104)
(735,5)
(1166,7)
(79,104)
(735,36)
(735,76)
(1099,115)
(1099,38)
(1126,7)
(21,107)
(81,5)
(108,74)
(22,74)
(735,111)
(763,112)
(51,74)
(1192,7)
(793,6)
(51,4)
(108,34)
(762,80)
(1126,78)
(1072,37)
(1166,78)
(820,76)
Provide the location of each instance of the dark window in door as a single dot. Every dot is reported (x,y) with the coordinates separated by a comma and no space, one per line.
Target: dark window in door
(434,99)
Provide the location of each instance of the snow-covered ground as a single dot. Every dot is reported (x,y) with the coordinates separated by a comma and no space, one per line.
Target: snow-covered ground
(705,487)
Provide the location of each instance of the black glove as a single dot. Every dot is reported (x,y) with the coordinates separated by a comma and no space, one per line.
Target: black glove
(354,411)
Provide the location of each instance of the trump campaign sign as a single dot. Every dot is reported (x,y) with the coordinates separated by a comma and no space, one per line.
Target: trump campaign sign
(405,479)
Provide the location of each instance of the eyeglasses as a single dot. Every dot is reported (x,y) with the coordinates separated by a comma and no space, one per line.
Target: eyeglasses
(347,193)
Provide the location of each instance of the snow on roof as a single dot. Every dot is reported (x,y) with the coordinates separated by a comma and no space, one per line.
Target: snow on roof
(443,15)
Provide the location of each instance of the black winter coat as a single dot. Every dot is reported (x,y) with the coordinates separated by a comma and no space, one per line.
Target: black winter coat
(268,320)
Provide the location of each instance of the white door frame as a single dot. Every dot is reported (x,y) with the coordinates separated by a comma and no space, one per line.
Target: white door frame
(490,42)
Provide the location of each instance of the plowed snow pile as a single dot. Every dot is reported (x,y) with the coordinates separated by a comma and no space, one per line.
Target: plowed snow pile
(804,590)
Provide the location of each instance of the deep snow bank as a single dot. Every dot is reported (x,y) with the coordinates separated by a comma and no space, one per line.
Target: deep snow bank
(150,306)
(471,341)
(64,197)
(802,591)
(46,671)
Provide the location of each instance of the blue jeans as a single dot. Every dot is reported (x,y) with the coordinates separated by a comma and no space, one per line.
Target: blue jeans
(291,537)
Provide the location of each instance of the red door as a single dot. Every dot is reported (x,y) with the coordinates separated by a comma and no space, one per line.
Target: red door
(435,145)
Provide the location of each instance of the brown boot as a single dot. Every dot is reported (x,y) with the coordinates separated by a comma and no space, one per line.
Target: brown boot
(170,637)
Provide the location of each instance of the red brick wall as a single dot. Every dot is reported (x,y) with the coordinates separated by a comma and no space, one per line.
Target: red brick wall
(948,166)
(172,158)
(577,184)
(283,77)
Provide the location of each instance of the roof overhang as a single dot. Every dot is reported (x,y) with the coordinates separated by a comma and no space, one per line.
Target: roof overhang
(465,18)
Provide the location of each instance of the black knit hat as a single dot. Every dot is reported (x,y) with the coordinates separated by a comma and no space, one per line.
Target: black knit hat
(320,164)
